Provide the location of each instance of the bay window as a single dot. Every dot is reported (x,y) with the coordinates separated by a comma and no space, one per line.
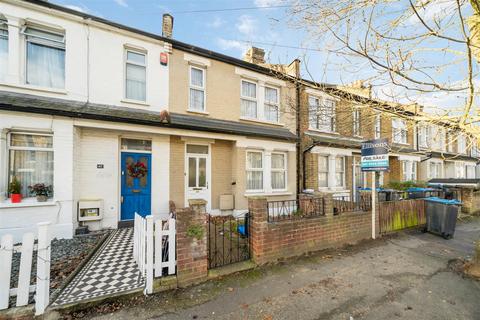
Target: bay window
(271,104)
(399,131)
(254,170)
(197,89)
(279,171)
(435,170)
(30,159)
(409,170)
(3,48)
(469,171)
(321,114)
(339,171)
(249,99)
(45,57)
(322,171)
(136,76)
(461,144)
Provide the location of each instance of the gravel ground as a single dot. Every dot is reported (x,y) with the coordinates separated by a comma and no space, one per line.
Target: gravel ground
(66,255)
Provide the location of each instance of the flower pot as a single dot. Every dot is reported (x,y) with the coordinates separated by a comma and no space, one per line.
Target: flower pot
(42,198)
(16,198)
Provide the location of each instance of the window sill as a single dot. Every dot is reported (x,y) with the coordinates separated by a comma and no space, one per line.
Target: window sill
(262,121)
(35,88)
(27,202)
(270,194)
(402,143)
(137,102)
(198,112)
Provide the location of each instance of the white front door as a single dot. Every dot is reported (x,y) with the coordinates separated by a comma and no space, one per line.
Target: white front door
(197,177)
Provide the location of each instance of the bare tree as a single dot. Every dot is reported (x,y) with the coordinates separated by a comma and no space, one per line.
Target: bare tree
(418,48)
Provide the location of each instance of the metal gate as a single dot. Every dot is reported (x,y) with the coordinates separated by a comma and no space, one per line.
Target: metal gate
(228,240)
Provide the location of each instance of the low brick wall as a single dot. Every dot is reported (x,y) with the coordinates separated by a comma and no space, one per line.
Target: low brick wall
(271,242)
(470,201)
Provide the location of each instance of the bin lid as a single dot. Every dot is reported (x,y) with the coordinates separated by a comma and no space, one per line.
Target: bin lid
(444,201)
(418,189)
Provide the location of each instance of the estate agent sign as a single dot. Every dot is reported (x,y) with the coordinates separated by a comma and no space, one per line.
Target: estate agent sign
(375,155)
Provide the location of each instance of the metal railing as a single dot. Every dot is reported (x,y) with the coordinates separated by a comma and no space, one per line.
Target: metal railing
(295,209)
(342,204)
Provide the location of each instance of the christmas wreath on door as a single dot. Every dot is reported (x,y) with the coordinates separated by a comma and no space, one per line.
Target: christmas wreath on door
(137,170)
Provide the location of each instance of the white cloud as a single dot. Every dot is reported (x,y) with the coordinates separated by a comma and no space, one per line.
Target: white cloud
(246,25)
(268,3)
(226,44)
(433,11)
(216,23)
(76,8)
(121,3)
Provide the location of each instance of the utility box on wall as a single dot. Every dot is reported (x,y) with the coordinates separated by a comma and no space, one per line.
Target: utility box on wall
(90,210)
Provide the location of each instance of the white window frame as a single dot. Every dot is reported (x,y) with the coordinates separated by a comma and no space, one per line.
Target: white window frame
(378,126)
(242,97)
(323,172)
(438,170)
(409,170)
(4,27)
(46,42)
(316,119)
(276,104)
(461,144)
(194,87)
(357,125)
(145,65)
(344,172)
(10,147)
(284,170)
(248,168)
(399,131)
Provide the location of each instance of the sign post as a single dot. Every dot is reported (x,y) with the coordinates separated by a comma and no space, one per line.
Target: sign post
(374,159)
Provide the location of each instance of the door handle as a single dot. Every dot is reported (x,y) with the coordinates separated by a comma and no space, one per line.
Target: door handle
(121,199)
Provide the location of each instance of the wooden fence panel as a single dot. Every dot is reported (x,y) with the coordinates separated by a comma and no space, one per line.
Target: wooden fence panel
(398,215)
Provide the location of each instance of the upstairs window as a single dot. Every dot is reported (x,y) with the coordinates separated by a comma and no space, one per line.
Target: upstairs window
(136,76)
(322,114)
(378,126)
(197,89)
(249,100)
(3,48)
(399,131)
(30,159)
(271,104)
(461,144)
(45,61)
(423,136)
(356,122)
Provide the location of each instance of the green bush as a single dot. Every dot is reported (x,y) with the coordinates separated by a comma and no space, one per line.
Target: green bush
(195,231)
(404,185)
(15,187)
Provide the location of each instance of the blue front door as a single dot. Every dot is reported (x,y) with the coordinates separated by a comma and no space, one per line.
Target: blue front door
(136,184)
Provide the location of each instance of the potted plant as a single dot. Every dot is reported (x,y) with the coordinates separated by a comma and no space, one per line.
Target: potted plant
(41,191)
(15,189)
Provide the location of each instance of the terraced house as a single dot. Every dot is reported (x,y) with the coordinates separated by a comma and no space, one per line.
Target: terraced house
(120,121)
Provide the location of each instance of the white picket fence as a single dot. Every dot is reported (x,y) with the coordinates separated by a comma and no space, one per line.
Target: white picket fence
(154,247)
(42,286)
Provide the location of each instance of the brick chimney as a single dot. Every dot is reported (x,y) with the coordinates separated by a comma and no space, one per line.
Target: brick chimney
(255,55)
(167,25)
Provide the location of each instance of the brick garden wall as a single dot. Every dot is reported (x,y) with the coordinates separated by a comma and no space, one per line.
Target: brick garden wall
(271,242)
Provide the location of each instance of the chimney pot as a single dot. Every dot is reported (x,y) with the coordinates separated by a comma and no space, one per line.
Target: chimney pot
(167,25)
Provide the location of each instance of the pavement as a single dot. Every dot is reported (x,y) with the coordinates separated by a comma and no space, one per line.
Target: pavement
(409,275)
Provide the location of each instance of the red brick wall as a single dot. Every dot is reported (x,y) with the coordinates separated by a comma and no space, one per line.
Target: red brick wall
(275,241)
(192,260)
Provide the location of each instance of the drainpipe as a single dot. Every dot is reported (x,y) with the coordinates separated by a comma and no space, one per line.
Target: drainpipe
(300,158)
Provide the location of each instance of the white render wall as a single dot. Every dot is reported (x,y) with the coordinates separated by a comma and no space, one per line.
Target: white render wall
(98,146)
(19,218)
(94,58)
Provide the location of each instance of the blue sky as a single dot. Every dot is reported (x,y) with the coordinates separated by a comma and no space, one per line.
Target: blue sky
(231,32)
(228,32)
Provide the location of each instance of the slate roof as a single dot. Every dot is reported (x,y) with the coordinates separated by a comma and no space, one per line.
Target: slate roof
(84,110)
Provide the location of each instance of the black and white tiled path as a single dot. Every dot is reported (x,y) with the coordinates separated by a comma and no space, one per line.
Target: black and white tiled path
(111,270)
